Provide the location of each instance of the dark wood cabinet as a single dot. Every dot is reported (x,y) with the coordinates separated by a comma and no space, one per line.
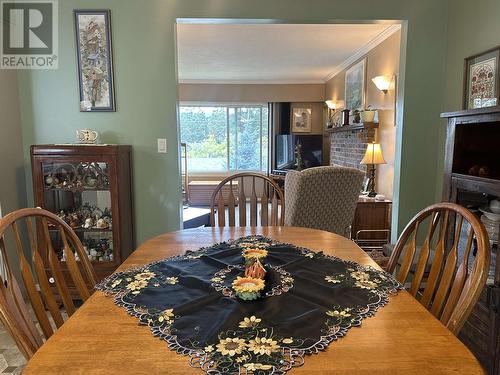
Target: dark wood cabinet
(371,227)
(472,179)
(88,186)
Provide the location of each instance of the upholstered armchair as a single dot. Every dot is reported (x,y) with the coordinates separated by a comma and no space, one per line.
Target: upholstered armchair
(323,198)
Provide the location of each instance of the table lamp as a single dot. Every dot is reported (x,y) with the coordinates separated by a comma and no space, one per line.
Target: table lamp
(373,156)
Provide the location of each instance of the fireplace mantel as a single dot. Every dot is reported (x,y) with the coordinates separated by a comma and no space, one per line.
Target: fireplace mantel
(352,127)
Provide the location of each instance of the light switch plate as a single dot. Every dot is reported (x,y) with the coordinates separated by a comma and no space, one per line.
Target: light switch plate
(162,145)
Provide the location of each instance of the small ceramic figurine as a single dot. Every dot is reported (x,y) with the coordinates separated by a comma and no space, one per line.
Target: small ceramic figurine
(88,223)
(474,170)
(484,171)
(102,224)
(90,182)
(74,221)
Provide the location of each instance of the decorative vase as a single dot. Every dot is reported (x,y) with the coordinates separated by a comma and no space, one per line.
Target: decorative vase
(368,115)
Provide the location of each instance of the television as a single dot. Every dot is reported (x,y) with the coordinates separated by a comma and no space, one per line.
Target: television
(312,150)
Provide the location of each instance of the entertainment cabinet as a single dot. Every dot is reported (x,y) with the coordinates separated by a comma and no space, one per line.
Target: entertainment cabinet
(472,179)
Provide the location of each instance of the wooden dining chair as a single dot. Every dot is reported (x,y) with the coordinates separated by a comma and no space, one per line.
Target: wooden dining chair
(447,276)
(27,241)
(267,210)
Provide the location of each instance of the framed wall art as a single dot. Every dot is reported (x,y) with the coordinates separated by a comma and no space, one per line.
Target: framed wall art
(481,79)
(95,61)
(355,86)
(301,120)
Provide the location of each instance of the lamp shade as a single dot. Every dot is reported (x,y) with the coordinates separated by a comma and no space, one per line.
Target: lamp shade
(373,154)
(330,104)
(383,83)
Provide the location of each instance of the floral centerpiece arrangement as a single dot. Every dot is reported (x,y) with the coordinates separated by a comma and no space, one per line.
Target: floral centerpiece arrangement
(250,286)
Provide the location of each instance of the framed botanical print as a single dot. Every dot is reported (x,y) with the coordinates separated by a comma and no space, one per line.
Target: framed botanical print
(355,86)
(481,79)
(95,61)
(301,120)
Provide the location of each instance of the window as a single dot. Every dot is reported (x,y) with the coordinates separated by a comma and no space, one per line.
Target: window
(224,138)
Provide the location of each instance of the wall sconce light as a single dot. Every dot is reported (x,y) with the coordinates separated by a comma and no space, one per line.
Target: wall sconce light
(331,104)
(331,110)
(383,82)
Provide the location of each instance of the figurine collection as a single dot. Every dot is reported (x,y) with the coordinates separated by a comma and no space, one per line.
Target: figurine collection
(87,217)
(80,176)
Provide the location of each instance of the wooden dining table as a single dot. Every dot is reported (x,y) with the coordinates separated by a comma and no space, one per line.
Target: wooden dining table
(402,337)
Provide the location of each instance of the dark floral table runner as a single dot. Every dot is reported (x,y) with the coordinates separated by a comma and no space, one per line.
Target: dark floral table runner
(310,299)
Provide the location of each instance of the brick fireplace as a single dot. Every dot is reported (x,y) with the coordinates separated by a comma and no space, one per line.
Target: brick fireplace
(347,148)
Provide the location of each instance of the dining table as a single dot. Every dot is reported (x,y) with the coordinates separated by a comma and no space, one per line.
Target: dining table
(403,337)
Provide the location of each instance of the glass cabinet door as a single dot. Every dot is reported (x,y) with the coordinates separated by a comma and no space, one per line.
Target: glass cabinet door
(79,193)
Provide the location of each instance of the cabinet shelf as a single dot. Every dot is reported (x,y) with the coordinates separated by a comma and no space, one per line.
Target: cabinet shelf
(90,230)
(76,190)
(477,179)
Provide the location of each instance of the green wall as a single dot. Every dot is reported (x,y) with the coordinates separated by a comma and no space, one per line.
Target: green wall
(145,78)
(473,27)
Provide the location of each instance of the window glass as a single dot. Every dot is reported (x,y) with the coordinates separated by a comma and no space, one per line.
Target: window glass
(225,138)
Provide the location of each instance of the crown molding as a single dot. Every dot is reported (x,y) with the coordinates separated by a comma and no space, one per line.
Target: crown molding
(250,82)
(363,51)
(390,30)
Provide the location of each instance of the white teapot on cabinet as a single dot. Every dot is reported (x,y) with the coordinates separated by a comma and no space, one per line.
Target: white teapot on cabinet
(87,136)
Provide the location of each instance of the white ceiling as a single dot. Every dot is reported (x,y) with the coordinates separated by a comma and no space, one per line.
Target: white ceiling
(272,53)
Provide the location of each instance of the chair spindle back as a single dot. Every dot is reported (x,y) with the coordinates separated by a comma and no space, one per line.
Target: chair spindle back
(267,209)
(38,258)
(453,283)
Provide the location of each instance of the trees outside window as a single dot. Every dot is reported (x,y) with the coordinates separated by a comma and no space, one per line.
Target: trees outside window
(224,138)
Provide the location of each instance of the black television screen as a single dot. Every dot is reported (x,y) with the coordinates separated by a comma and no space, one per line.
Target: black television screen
(312,150)
(284,151)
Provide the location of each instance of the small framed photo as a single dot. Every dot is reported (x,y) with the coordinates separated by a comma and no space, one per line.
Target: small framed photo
(301,120)
(95,61)
(481,79)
